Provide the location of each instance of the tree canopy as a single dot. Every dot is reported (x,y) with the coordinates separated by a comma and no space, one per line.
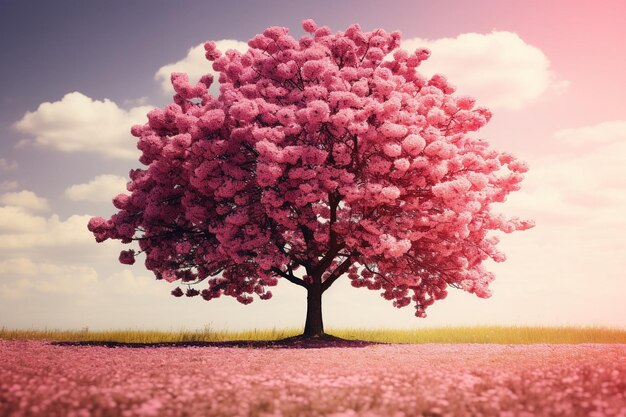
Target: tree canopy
(320,157)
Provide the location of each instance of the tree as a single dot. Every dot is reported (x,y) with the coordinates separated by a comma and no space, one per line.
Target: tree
(321,157)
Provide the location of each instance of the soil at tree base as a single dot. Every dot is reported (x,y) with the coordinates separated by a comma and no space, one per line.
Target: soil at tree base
(294,342)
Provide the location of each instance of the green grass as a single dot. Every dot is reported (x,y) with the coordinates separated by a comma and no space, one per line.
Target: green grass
(481,334)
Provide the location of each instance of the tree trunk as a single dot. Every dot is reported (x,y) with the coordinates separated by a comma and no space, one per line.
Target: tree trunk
(314,327)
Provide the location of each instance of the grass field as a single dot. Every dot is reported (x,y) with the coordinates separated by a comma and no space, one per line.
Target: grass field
(483,334)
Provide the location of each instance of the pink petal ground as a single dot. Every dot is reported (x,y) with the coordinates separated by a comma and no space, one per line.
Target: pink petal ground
(39,379)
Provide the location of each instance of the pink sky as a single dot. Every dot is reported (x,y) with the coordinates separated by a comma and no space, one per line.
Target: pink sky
(552,72)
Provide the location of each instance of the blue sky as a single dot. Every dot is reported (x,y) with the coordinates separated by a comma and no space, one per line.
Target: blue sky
(552,72)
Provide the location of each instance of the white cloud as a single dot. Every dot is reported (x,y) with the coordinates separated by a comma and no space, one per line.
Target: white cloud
(25,199)
(20,229)
(577,247)
(6,165)
(499,69)
(196,65)
(602,133)
(126,282)
(78,123)
(101,189)
(581,187)
(19,220)
(22,276)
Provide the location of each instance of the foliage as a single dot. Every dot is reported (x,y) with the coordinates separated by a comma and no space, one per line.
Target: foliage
(320,157)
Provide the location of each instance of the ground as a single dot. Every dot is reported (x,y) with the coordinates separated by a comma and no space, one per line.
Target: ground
(38,378)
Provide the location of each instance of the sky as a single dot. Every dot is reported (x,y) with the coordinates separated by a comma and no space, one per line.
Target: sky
(76,75)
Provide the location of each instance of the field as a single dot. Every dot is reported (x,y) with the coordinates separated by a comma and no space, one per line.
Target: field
(447,378)
(481,334)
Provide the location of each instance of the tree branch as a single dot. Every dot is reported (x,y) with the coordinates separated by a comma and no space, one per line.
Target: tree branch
(291,255)
(339,271)
(290,277)
(333,245)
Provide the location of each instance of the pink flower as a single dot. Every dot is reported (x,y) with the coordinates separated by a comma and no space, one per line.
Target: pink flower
(286,116)
(318,111)
(392,149)
(313,69)
(96,223)
(422,53)
(498,257)
(391,192)
(393,130)
(121,201)
(212,119)
(402,164)
(309,26)
(518,166)
(169,276)
(183,248)
(136,130)
(413,144)
(244,110)
(127,257)
(465,102)
(211,51)
(267,174)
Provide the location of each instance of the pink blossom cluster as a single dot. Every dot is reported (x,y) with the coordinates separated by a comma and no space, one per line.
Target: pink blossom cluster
(38,379)
(332,153)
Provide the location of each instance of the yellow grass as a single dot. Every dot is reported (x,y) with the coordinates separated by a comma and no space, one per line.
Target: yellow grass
(490,334)
(482,334)
(145,336)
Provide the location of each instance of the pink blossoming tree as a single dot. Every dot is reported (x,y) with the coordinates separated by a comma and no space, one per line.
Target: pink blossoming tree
(321,157)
